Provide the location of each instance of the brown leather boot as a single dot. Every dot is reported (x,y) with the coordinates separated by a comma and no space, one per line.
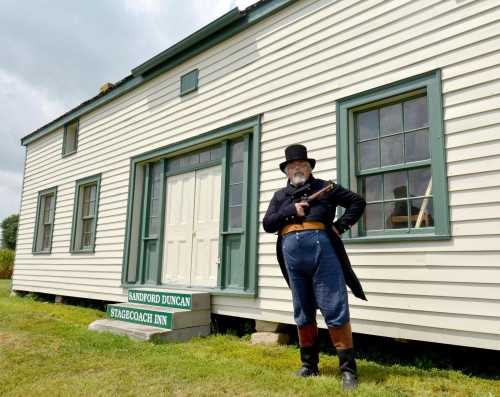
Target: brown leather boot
(342,340)
(309,352)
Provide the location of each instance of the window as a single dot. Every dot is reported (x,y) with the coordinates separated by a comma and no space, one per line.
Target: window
(189,82)
(70,139)
(85,214)
(390,150)
(236,184)
(44,225)
(194,159)
(150,247)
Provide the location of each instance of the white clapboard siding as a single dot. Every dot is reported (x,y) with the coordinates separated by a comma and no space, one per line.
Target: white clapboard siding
(291,68)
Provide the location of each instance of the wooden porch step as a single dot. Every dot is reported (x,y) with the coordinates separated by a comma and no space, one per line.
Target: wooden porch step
(146,333)
(160,317)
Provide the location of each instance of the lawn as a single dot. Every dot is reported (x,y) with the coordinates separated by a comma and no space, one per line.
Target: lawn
(46,350)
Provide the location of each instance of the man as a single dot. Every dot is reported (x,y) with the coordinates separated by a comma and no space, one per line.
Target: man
(313,260)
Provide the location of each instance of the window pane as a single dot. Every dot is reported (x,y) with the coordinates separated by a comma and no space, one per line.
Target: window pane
(420,182)
(417,145)
(92,192)
(237,151)
(235,217)
(392,149)
(371,188)
(395,185)
(153,226)
(205,156)
(391,119)
(48,208)
(235,194)
(194,159)
(70,142)
(154,210)
(87,233)
(368,155)
(184,162)
(71,134)
(216,153)
(236,174)
(155,180)
(89,193)
(415,113)
(174,164)
(396,214)
(367,125)
(422,213)
(373,217)
(154,198)
(47,229)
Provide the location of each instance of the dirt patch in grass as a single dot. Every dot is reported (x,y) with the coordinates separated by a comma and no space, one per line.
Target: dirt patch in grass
(14,341)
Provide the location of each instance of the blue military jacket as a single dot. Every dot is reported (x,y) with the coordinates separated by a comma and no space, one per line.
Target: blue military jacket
(282,212)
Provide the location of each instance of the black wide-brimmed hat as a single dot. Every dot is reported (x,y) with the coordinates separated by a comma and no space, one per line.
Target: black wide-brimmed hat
(296,152)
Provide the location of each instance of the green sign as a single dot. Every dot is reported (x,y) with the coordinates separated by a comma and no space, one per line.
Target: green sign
(140,316)
(166,299)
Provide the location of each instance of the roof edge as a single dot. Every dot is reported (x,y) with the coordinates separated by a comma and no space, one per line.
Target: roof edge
(215,32)
(213,27)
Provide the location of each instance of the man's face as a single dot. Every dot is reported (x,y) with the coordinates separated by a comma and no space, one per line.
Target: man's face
(298,171)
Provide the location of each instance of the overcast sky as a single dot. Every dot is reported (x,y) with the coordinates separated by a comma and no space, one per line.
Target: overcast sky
(55,54)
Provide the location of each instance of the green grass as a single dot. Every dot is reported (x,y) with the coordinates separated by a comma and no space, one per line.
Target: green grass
(46,350)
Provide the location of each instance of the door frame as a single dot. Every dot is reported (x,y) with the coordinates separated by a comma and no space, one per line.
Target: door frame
(248,129)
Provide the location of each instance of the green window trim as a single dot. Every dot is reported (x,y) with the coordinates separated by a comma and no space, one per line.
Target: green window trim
(77,230)
(348,174)
(39,237)
(66,152)
(189,82)
(134,269)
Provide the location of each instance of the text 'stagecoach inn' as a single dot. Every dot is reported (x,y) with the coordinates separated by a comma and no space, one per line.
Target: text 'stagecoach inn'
(154,190)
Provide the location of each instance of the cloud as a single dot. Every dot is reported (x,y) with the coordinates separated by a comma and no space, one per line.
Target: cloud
(242,4)
(23,107)
(10,193)
(57,53)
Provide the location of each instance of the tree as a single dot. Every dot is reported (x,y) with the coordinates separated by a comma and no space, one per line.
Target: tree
(9,231)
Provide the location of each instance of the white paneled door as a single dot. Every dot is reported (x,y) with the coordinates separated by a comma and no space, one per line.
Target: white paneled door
(192,228)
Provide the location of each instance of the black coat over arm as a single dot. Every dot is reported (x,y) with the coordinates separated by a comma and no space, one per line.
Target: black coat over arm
(282,212)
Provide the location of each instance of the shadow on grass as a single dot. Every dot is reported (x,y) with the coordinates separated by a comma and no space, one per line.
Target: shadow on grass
(405,355)
(480,363)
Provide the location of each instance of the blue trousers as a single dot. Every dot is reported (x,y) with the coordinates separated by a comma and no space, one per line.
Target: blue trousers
(316,278)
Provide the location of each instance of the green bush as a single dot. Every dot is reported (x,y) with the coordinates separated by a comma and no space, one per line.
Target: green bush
(6,263)
(9,228)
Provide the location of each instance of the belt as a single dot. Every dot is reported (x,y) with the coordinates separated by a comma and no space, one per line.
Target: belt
(308,225)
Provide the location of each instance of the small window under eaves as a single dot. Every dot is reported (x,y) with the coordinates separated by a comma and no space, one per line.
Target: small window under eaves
(70,140)
(189,82)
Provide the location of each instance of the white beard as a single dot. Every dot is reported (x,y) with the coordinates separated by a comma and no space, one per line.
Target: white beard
(298,179)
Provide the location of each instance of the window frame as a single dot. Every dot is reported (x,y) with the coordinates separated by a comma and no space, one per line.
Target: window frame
(40,214)
(185,91)
(348,175)
(249,130)
(77,211)
(77,122)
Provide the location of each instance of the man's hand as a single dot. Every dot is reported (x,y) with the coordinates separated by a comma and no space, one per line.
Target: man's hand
(300,207)
(335,231)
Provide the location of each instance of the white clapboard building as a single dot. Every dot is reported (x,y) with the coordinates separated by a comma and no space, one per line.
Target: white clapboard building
(161,181)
